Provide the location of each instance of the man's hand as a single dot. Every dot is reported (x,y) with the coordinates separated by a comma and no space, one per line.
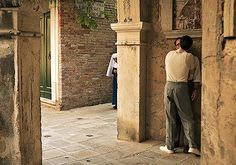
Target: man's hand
(194,95)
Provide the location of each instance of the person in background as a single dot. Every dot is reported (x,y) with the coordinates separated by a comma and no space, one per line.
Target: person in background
(112,72)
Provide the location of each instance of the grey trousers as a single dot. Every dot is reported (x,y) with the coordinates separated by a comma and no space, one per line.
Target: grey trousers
(177,101)
(181,140)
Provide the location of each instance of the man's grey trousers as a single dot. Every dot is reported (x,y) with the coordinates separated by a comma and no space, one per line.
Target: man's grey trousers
(177,101)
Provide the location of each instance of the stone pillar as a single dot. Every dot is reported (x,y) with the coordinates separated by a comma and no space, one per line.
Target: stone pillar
(20,128)
(28,69)
(219,89)
(131,49)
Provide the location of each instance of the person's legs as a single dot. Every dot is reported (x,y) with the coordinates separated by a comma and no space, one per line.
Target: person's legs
(114,92)
(177,101)
(171,112)
(196,107)
(183,141)
(178,137)
(182,100)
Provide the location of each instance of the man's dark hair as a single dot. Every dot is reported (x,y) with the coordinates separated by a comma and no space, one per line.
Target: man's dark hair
(178,38)
(186,42)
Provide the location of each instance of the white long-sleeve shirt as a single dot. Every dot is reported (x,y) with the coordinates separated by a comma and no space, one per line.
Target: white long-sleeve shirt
(112,64)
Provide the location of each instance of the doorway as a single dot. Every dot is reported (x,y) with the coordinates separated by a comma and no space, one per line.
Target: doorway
(45,66)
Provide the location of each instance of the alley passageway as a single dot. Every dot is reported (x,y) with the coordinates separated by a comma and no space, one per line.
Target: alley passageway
(88,136)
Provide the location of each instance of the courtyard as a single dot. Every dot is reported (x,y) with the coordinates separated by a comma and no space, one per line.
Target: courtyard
(88,135)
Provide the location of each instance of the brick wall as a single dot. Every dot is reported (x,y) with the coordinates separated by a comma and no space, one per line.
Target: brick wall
(84,58)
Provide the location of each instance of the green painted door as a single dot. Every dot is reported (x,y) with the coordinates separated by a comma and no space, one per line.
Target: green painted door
(45,66)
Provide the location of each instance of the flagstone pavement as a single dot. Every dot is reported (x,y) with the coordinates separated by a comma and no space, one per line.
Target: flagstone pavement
(87,135)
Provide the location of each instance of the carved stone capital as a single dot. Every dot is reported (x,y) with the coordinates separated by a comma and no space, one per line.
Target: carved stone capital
(131,33)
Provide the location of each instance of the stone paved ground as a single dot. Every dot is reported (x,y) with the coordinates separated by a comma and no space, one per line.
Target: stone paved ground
(88,136)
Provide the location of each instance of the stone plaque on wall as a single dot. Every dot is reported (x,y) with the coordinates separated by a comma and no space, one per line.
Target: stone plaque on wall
(186,14)
(6,20)
(98,7)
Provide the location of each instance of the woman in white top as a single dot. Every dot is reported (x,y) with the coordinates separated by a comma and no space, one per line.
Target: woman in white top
(112,72)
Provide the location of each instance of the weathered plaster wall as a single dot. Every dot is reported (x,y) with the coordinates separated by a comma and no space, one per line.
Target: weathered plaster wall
(159,45)
(84,58)
(8,141)
(219,89)
(20,128)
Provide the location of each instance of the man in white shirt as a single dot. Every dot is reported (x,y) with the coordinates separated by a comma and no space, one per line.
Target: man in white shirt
(179,64)
(181,140)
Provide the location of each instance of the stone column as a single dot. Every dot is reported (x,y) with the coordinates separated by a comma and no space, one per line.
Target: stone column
(28,70)
(131,48)
(219,84)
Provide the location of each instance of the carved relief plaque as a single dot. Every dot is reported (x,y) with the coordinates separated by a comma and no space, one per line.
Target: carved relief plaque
(126,6)
(187,14)
(6,20)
